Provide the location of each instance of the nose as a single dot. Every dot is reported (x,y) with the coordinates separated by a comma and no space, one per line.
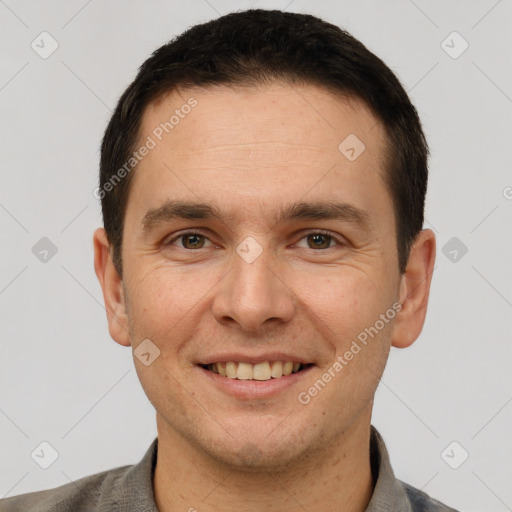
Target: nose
(254,295)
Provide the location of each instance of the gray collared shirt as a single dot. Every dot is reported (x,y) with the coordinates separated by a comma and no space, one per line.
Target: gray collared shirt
(130,489)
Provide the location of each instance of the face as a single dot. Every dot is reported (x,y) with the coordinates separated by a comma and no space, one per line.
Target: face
(289,258)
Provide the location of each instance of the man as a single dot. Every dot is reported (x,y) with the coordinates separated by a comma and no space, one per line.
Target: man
(262,184)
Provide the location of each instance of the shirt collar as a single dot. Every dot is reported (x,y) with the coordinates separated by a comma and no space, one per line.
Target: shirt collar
(133,490)
(389,494)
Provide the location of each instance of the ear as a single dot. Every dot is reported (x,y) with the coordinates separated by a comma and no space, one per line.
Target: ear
(414,290)
(112,286)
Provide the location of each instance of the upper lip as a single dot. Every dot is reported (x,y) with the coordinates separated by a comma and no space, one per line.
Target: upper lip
(252,359)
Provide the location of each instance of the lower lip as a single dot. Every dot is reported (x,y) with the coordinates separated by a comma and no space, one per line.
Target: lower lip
(250,389)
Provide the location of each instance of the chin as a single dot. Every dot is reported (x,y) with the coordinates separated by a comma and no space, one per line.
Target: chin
(255,449)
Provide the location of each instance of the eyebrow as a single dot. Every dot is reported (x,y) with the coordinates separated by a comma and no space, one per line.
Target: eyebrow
(318,210)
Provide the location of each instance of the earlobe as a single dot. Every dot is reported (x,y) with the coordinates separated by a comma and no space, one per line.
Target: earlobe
(112,287)
(414,290)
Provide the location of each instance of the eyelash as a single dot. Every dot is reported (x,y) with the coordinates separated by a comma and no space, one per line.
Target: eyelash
(196,232)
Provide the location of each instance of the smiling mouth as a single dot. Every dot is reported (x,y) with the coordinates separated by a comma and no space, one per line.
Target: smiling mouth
(259,371)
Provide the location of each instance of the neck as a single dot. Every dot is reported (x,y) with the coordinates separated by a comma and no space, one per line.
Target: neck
(337,477)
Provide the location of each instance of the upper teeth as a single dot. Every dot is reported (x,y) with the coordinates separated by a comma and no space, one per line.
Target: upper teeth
(259,371)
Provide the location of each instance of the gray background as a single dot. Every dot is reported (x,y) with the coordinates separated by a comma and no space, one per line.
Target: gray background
(64,381)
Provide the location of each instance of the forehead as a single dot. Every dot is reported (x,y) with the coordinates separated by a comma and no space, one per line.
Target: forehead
(258,144)
(243,114)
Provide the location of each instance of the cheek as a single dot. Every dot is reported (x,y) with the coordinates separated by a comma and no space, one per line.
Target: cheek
(164,300)
(347,311)
(344,312)
(341,303)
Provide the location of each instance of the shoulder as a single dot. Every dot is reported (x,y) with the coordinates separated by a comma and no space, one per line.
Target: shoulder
(422,502)
(81,495)
(118,489)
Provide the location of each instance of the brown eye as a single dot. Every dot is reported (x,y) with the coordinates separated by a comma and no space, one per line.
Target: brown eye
(192,241)
(188,240)
(319,241)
